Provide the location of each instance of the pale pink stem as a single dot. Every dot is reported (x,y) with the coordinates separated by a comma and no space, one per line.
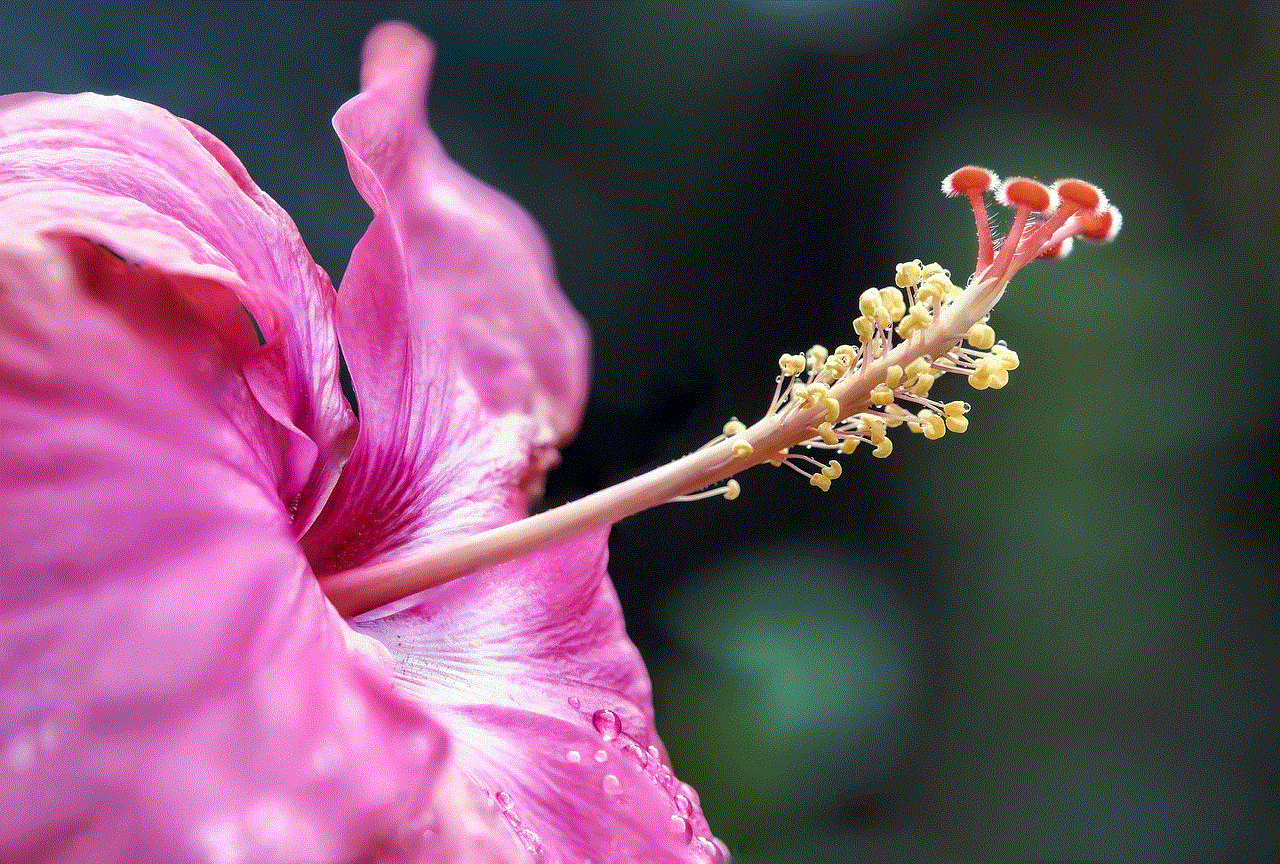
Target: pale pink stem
(986,248)
(1036,242)
(1001,265)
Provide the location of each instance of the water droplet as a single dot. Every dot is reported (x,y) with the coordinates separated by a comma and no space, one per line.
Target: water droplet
(504,800)
(513,818)
(612,785)
(681,826)
(607,724)
(710,850)
(634,750)
(573,756)
(575,702)
(683,805)
(532,842)
(601,756)
(654,753)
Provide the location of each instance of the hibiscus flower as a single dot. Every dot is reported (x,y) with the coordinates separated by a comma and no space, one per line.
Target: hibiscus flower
(244,621)
(178,465)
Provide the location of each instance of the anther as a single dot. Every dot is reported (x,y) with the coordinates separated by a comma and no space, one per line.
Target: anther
(742,448)
(981,336)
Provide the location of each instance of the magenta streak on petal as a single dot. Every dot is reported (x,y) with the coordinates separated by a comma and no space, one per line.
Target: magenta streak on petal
(469,365)
(162,192)
(173,685)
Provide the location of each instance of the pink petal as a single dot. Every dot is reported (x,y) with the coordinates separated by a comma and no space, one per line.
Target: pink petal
(469,365)
(162,192)
(529,667)
(173,685)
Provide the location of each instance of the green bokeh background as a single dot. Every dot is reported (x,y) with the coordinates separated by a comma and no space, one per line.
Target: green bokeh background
(1053,637)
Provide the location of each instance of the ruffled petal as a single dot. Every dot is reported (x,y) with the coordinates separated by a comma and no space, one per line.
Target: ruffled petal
(161,192)
(173,685)
(529,667)
(468,363)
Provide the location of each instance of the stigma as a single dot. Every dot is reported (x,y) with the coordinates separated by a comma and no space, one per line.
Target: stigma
(907,336)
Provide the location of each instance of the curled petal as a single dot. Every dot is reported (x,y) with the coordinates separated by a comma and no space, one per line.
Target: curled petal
(160,192)
(173,685)
(468,363)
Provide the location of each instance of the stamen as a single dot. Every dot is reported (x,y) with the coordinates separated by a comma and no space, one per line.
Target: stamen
(910,335)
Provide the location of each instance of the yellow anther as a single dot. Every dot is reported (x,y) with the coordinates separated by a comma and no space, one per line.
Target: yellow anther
(869,302)
(791,364)
(742,448)
(883,318)
(732,490)
(799,391)
(934,269)
(917,317)
(932,425)
(815,357)
(833,408)
(833,470)
(848,445)
(923,382)
(893,375)
(917,367)
(883,448)
(827,433)
(1007,356)
(956,408)
(777,460)
(733,427)
(881,394)
(898,415)
(820,481)
(894,302)
(876,426)
(957,423)
(864,327)
(908,274)
(848,354)
(981,336)
(947,364)
(989,372)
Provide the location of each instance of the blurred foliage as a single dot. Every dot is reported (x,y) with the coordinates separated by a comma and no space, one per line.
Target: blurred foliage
(1052,637)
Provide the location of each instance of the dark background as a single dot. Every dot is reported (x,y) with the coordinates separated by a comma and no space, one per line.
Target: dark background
(1052,637)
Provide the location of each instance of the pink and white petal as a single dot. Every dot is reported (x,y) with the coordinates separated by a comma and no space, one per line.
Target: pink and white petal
(161,192)
(469,364)
(173,685)
(529,667)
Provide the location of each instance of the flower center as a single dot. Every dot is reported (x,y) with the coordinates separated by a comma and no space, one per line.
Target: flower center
(909,335)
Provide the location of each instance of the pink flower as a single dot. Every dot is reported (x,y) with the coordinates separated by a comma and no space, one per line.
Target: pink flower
(175,475)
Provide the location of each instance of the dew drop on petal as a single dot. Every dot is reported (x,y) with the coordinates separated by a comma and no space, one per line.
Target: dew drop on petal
(532,842)
(601,756)
(573,756)
(634,750)
(607,724)
(654,753)
(575,702)
(680,826)
(709,850)
(612,785)
(504,800)
(683,805)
